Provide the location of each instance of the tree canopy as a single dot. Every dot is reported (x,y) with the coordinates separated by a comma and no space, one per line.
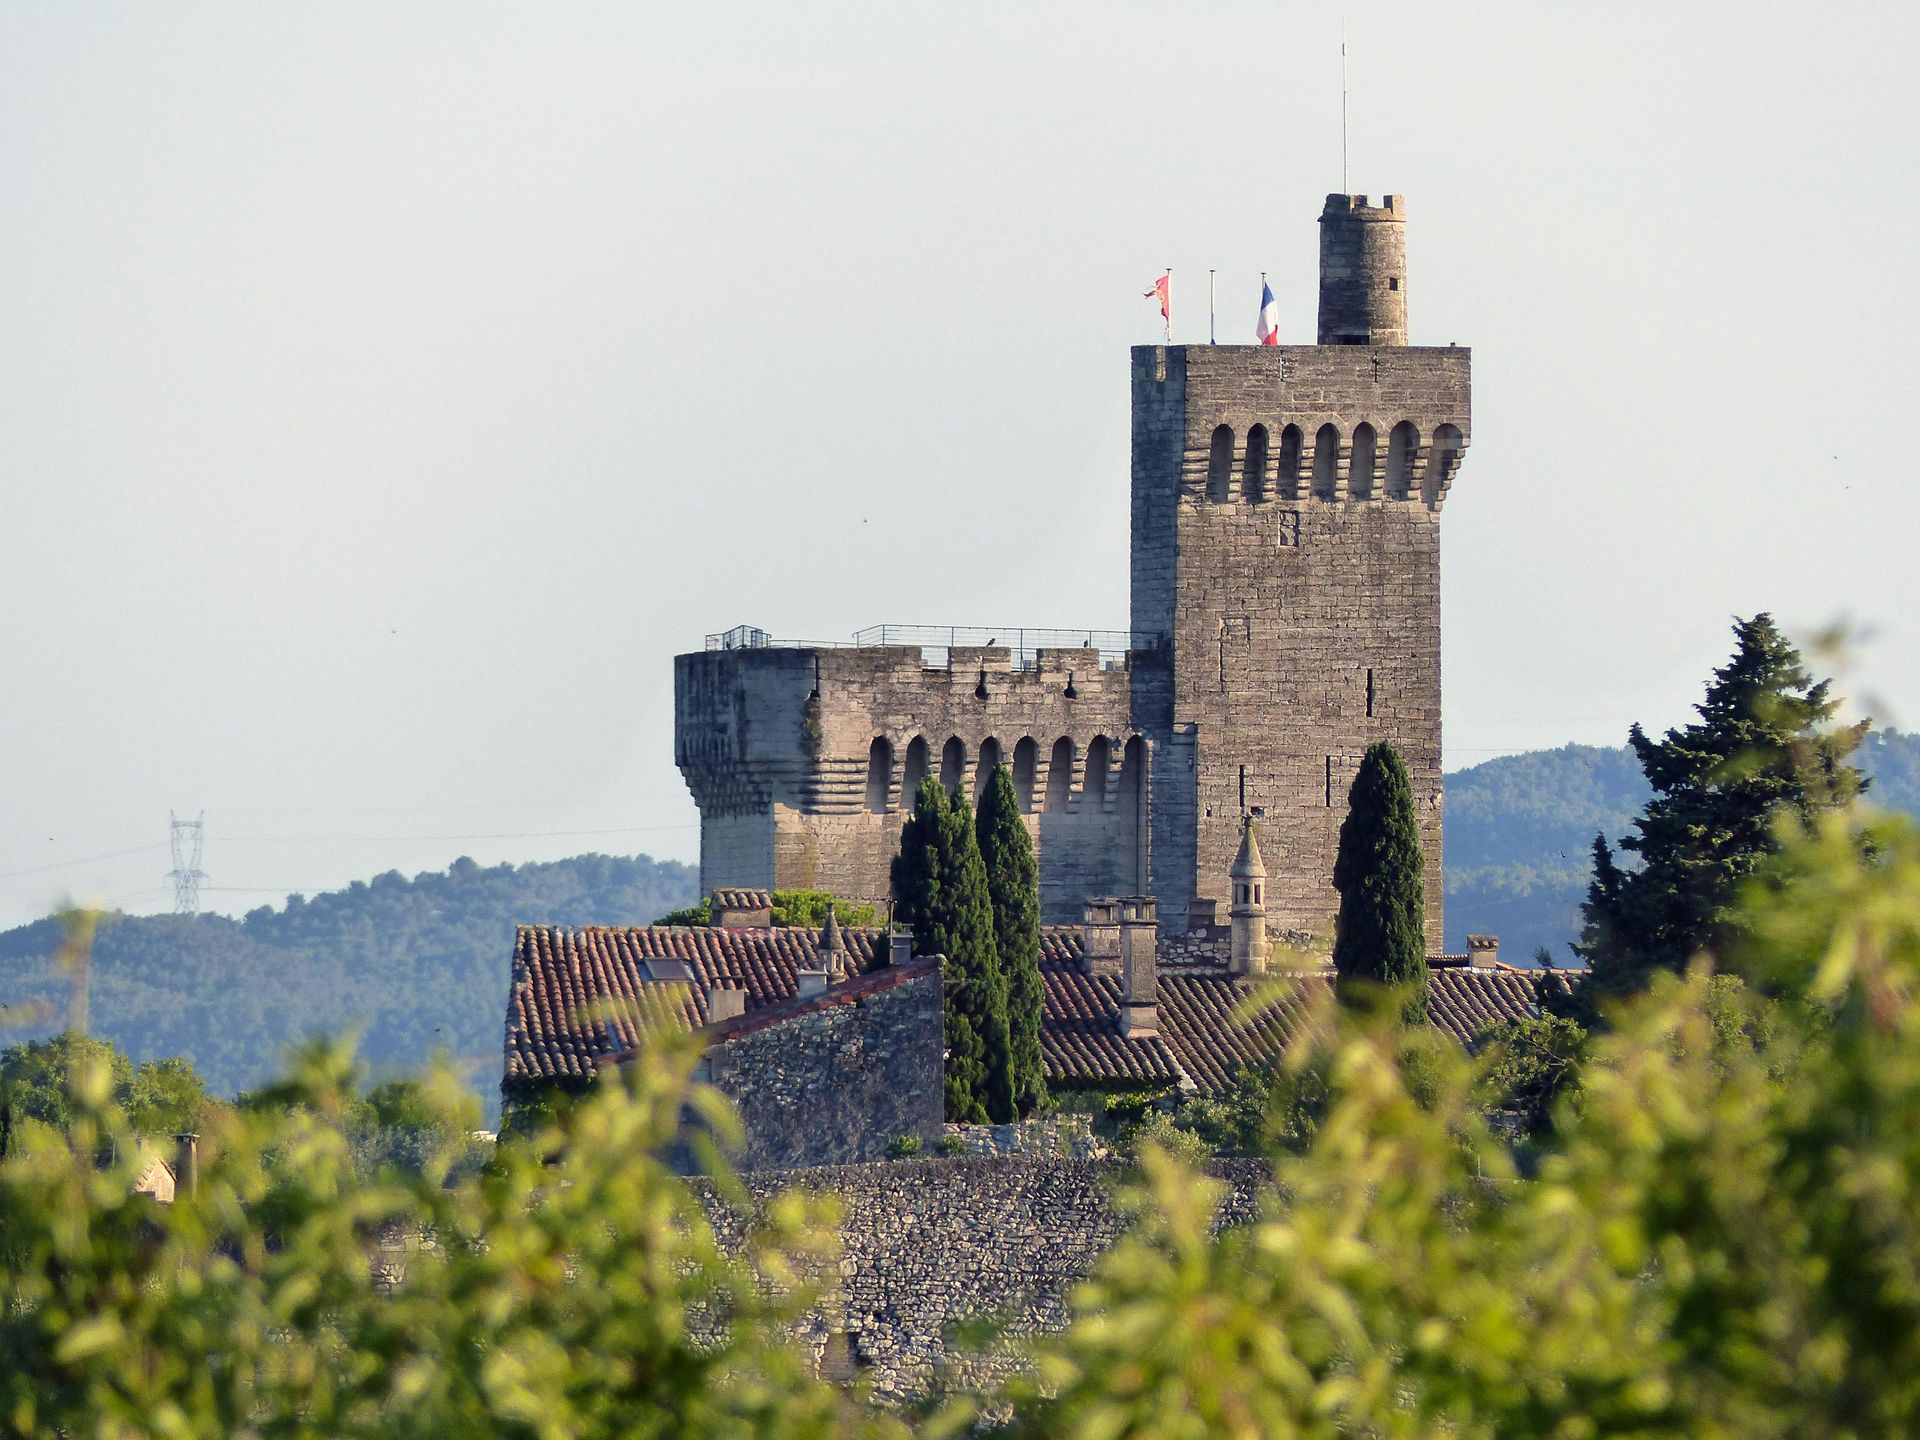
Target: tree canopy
(1013,888)
(940,893)
(1763,750)
(160,1097)
(1380,933)
(1719,1244)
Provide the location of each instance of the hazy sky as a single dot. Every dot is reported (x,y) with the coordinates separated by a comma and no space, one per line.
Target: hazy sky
(388,392)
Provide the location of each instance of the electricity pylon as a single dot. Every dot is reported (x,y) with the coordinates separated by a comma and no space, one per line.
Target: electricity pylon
(189,840)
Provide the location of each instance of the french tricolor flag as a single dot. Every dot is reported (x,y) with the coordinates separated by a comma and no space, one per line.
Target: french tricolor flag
(1269,327)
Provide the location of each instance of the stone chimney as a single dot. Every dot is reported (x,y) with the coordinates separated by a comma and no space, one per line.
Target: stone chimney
(186,1163)
(726,999)
(899,946)
(737,909)
(1248,917)
(1139,969)
(1483,949)
(1100,938)
(810,982)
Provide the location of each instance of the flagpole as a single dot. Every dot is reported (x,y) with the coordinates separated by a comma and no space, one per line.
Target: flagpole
(1169,314)
(1213,296)
(1345,186)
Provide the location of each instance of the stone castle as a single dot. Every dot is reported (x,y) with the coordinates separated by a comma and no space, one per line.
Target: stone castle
(1285,615)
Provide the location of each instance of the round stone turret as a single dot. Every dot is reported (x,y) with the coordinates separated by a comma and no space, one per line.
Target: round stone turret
(1363,271)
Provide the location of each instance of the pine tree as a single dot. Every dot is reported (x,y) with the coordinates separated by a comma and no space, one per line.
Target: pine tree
(940,892)
(1380,935)
(1013,888)
(1762,748)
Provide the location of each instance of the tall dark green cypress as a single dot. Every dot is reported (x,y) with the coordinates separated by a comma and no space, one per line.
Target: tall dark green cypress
(1764,746)
(1381,933)
(1013,888)
(940,892)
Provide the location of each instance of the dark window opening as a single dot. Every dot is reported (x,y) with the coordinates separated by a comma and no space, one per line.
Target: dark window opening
(1220,464)
(879,775)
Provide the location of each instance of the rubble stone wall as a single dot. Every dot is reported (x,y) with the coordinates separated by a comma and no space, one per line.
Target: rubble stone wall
(929,1244)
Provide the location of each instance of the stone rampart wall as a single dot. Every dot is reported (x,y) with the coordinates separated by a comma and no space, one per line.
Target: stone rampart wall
(928,1244)
(804,761)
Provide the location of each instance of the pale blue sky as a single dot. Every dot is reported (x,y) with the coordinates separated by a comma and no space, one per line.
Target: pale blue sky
(388,392)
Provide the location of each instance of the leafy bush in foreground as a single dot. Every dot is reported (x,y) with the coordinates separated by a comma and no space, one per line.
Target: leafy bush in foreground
(1719,1241)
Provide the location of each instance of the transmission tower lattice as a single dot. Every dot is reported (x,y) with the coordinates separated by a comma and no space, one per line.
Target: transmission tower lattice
(189,840)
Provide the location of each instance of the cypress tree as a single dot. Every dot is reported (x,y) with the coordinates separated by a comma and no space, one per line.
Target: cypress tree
(1381,933)
(1013,889)
(940,891)
(1762,748)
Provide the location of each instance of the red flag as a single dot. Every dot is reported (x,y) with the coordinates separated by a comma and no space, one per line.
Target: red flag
(1163,288)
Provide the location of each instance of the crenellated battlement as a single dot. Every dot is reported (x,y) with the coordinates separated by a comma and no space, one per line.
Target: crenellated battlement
(832,742)
(1390,208)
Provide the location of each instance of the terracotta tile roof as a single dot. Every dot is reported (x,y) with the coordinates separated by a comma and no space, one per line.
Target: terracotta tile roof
(1200,1012)
(580,995)
(1080,1031)
(744,899)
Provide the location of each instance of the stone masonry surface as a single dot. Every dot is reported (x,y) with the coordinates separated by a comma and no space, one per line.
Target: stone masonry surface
(839,1080)
(928,1244)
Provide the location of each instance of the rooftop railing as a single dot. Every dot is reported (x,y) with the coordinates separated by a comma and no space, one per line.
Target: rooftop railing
(937,642)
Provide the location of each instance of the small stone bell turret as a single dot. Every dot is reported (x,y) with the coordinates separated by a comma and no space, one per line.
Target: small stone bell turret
(833,950)
(1248,917)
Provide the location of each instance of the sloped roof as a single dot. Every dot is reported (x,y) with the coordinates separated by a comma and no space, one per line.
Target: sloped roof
(583,994)
(577,992)
(1202,1020)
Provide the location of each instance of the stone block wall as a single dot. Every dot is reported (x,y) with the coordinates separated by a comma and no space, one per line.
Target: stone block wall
(837,1080)
(1286,533)
(927,1244)
(804,761)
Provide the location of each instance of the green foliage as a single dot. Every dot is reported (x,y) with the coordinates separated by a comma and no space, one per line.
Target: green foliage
(575,1289)
(1380,933)
(697,914)
(1720,1245)
(1013,888)
(413,966)
(1530,1065)
(1237,1121)
(162,1098)
(798,908)
(1762,750)
(940,893)
(808,909)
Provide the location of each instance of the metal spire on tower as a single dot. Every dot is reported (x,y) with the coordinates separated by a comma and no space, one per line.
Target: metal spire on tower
(188,839)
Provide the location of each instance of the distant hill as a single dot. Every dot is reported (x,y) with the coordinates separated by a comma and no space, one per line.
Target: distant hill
(421,965)
(415,965)
(1520,834)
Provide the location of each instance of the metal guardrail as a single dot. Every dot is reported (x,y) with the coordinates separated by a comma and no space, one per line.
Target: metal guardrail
(937,642)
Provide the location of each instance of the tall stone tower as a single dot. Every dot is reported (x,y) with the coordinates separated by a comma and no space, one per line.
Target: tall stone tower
(1286,547)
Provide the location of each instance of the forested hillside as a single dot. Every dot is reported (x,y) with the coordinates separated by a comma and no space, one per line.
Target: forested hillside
(415,965)
(1520,834)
